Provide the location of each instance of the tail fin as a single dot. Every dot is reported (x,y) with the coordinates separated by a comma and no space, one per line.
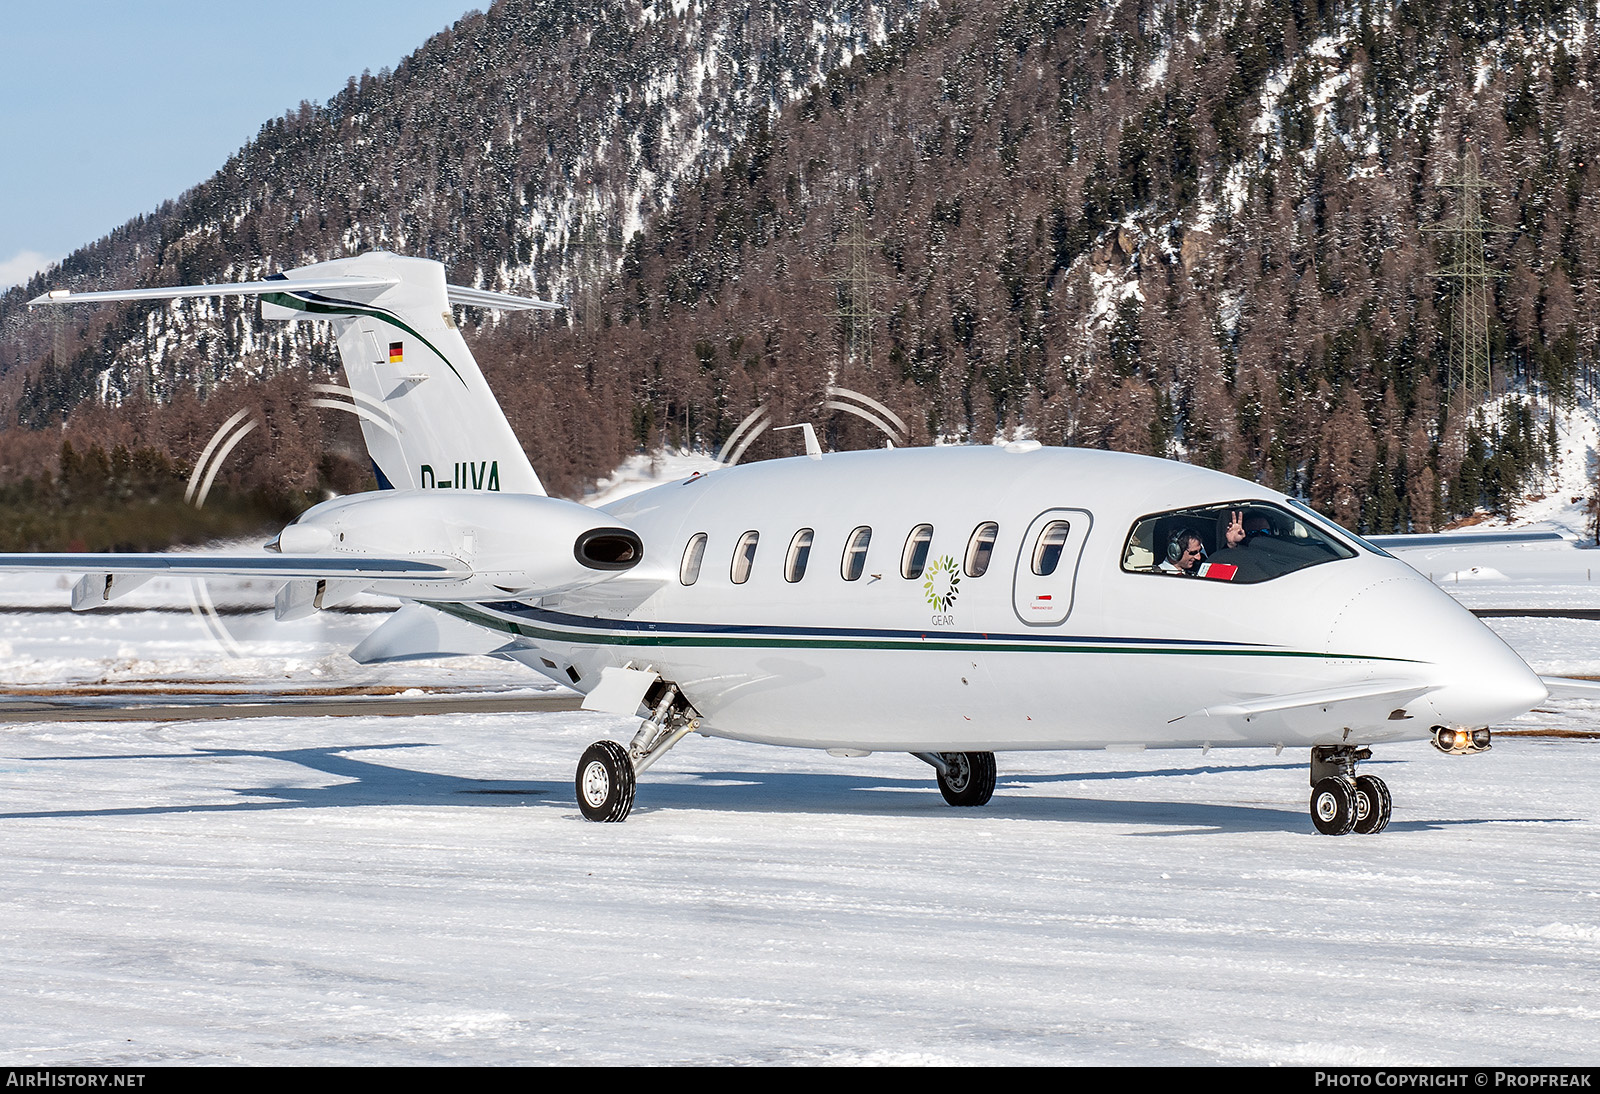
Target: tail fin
(426,413)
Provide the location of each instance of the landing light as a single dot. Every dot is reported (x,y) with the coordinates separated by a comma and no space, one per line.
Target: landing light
(1460,742)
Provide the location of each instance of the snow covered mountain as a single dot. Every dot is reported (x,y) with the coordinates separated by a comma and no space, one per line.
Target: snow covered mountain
(1196,229)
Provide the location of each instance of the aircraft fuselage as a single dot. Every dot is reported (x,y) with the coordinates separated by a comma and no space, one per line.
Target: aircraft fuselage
(1098,653)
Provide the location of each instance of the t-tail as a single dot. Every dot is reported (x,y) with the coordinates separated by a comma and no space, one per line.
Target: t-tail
(426,413)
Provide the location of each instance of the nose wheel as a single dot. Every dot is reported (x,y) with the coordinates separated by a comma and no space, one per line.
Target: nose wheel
(1342,801)
(605,782)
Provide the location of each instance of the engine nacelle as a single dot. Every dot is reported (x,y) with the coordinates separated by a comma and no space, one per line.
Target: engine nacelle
(514,545)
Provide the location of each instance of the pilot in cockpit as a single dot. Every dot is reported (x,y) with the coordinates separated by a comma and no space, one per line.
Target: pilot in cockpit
(1244,527)
(1185,550)
(1254,541)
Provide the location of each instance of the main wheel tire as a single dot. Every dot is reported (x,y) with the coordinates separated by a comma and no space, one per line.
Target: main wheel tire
(605,782)
(1333,806)
(1373,806)
(968,779)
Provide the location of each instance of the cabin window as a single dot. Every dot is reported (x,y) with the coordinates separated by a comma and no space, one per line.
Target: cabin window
(744,556)
(980,549)
(694,553)
(1047,551)
(915,557)
(1242,542)
(794,566)
(854,562)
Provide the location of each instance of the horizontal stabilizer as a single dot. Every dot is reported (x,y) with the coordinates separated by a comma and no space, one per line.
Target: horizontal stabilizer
(238,288)
(1566,687)
(347,567)
(483,298)
(417,632)
(339,287)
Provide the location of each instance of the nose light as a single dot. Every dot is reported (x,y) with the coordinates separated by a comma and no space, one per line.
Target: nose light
(1460,742)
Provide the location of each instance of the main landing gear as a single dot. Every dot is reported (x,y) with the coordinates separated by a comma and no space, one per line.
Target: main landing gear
(965,778)
(1342,801)
(608,774)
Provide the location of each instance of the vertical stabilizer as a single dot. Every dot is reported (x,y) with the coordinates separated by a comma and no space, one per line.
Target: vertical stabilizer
(426,413)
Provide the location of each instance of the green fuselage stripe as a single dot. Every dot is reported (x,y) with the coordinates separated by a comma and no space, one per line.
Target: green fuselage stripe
(932,642)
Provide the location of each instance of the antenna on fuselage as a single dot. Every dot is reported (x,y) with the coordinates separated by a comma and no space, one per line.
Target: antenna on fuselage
(813,449)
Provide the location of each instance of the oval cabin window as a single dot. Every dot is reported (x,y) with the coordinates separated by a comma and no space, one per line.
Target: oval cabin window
(794,566)
(744,556)
(1047,552)
(980,548)
(854,562)
(694,553)
(915,557)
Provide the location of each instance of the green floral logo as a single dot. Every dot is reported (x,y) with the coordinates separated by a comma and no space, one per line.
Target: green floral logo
(943,582)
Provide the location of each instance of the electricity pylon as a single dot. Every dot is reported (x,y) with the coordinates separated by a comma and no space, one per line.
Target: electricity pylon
(855,311)
(1470,367)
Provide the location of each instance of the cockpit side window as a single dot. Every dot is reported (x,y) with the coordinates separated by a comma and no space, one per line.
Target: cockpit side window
(1243,542)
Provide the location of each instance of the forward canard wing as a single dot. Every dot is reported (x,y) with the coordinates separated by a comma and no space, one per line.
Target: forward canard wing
(1323,710)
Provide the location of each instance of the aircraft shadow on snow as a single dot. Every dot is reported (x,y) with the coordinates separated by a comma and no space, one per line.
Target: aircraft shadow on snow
(367,783)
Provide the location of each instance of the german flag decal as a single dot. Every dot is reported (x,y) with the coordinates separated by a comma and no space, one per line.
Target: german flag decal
(397,352)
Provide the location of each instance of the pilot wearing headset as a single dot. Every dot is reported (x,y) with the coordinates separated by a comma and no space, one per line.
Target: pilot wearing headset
(1185,550)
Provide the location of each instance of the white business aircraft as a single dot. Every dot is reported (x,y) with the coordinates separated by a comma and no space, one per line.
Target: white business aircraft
(948,602)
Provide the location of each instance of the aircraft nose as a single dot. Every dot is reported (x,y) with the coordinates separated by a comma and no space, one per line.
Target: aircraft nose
(1406,620)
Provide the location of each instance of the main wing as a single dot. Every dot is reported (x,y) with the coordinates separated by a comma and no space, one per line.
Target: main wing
(312,582)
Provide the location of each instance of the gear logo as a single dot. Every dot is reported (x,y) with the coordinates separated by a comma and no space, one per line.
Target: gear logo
(943,583)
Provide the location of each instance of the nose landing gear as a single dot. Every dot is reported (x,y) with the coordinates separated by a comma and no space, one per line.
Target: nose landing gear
(608,774)
(1341,801)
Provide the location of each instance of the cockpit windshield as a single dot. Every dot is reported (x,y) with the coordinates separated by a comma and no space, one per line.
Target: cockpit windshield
(1241,542)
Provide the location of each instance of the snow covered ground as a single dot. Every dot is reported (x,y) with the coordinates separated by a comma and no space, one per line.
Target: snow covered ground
(422,889)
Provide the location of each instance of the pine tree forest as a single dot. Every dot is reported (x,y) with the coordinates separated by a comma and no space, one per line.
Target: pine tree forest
(1209,231)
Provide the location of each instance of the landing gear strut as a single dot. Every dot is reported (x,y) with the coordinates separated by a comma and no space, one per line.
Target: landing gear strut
(608,774)
(1341,801)
(965,778)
